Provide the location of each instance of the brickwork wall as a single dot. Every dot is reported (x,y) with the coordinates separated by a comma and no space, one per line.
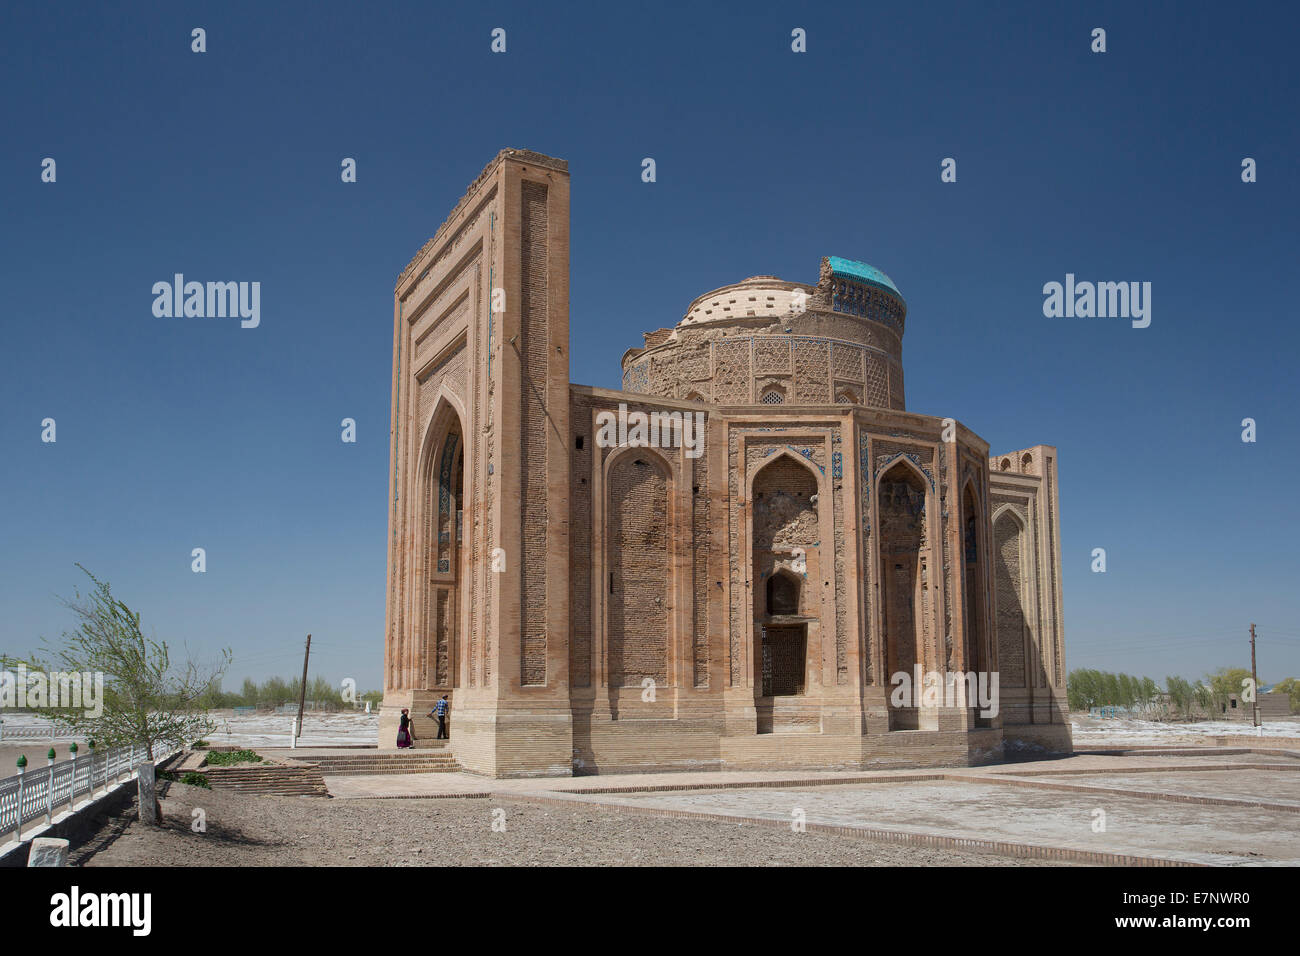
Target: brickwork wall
(841,583)
(731,373)
(1052,574)
(902,543)
(734,369)
(1025,481)
(736,609)
(580,516)
(974,655)
(868,635)
(533,427)
(1009,577)
(784,515)
(701,553)
(639,546)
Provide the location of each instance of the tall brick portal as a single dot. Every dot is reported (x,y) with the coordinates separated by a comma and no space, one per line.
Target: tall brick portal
(593,606)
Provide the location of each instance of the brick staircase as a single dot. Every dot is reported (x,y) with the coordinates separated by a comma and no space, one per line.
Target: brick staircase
(291,780)
(369,763)
(423,727)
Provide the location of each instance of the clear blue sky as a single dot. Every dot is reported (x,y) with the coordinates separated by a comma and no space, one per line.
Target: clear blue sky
(176,434)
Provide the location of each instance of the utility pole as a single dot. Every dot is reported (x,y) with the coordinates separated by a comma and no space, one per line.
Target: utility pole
(302,691)
(1254,678)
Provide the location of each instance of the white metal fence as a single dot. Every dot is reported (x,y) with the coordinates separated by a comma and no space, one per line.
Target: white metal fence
(36,792)
(51,732)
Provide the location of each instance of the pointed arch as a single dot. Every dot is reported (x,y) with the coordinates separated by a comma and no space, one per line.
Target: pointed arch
(445,404)
(1007,509)
(927,483)
(661,459)
(784,493)
(786,532)
(907,598)
(783,592)
(639,534)
(439,515)
(974,595)
(1011,618)
(806,464)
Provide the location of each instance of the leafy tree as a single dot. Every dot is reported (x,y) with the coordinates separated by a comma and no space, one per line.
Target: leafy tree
(1182,696)
(1081,688)
(275,692)
(1150,692)
(146,699)
(1290,687)
(1086,688)
(1224,684)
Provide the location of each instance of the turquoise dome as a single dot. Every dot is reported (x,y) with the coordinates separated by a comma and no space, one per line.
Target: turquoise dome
(863,272)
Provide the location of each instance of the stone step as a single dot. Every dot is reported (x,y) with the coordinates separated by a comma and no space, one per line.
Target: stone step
(373,772)
(260,772)
(276,779)
(394,761)
(416,757)
(395,768)
(386,763)
(388,768)
(325,761)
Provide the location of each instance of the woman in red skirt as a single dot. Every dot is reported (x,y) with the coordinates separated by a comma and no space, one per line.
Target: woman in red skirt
(404,738)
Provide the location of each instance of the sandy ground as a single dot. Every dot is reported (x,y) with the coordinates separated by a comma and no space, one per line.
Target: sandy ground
(1277,788)
(244,830)
(1216,835)
(589,828)
(242,730)
(1095,731)
(35,751)
(427,818)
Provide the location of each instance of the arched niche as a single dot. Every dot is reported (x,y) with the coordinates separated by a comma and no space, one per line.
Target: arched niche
(639,546)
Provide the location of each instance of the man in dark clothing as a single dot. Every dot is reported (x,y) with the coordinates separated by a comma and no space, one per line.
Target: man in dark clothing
(440,711)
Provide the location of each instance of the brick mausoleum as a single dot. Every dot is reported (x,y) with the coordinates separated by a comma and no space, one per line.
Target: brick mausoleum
(595,609)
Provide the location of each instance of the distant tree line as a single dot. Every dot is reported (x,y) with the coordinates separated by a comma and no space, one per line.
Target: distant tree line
(276,692)
(1290,687)
(1087,688)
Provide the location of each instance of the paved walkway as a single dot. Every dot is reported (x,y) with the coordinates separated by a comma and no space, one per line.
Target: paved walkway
(460,784)
(1203,807)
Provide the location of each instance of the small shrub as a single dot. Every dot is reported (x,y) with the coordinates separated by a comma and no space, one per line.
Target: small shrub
(196,780)
(200,744)
(225,758)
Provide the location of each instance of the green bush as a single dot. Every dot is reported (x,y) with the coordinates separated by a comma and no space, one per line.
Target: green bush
(196,780)
(220,758)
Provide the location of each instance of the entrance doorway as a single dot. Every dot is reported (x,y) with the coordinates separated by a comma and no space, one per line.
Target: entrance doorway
(785,653)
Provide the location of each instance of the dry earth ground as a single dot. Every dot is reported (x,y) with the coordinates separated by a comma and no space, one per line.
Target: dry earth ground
(250,830)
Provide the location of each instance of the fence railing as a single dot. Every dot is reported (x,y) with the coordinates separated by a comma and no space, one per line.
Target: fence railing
(36,792)
(51,732)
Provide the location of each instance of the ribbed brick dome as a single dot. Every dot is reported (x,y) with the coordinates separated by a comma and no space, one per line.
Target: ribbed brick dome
(766,340)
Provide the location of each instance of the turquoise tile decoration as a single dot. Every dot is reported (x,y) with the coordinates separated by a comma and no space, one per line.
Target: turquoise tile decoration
(863,272)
